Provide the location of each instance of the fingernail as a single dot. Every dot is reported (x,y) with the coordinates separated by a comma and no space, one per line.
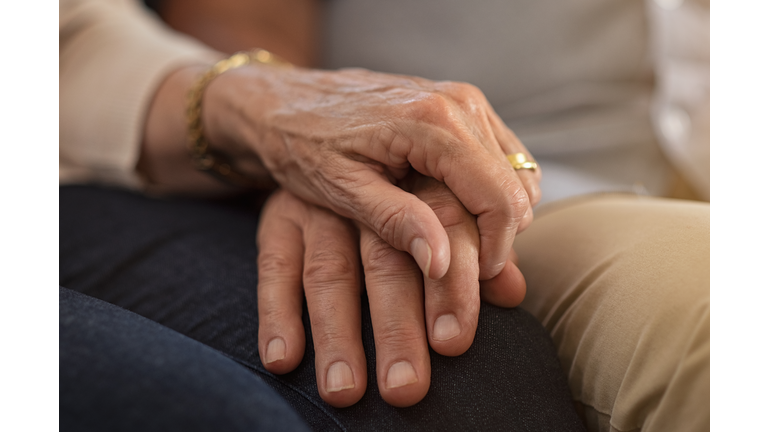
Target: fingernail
(275,350)
(422,253)
(401,374)
(339,377)
(446,327)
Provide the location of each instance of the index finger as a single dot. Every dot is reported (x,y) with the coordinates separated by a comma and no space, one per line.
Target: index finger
(452,303)
(430,139)
(488,188)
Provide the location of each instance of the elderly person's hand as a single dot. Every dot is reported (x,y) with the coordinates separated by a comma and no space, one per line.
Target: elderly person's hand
(343,139)
(305,250)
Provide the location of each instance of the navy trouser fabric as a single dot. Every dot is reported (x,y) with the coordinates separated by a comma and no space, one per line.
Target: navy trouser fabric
(189,266)
(122,372)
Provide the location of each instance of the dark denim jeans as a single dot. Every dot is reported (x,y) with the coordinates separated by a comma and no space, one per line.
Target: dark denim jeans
(180,349)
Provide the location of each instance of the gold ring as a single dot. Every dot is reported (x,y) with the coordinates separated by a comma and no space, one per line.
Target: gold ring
(520,161)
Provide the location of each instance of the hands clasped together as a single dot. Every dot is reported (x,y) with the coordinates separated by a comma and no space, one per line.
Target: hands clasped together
(407,175)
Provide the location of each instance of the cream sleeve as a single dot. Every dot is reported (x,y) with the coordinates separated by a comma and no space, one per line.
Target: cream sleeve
(113,54)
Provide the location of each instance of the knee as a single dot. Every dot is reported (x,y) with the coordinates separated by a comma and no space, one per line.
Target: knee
(623,287)
(639,255)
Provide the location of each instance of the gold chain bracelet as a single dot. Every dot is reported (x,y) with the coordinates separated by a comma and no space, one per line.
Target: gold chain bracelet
(202,157)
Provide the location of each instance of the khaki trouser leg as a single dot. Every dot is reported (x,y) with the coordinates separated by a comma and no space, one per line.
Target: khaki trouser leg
(622,284)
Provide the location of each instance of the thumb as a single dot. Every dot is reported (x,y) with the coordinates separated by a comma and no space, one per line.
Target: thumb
(402,220)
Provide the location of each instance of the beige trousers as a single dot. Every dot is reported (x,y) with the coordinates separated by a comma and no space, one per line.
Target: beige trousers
(622,285)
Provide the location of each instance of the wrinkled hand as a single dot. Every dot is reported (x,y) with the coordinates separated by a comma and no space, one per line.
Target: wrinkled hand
(344,139)
(305,250)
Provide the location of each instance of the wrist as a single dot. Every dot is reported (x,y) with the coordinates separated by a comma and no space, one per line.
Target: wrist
(164,161)
(235,107)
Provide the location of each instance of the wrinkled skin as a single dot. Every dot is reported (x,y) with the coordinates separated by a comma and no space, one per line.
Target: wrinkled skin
(344,139)
(306,250)
(351,143)
(348,143)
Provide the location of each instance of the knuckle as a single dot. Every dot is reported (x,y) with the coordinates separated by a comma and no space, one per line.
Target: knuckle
(447,207)
(518,200)
(327,266)
(474,92)
(468,91)
(474,104)
(511,204)
(463,92)
(388,217)
(330,334)
(387,134)
(399,333)
(329,330)
(432,107)
(273,312)
(518,196)
(274,263)
(451,214)
(381,258)
(384,133)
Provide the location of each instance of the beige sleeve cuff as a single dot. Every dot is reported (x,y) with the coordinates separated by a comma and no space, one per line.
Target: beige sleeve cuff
(113,55)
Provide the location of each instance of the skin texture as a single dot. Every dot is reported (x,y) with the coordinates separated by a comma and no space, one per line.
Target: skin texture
(306,250)
(350,143)
(289,28)
(343,139)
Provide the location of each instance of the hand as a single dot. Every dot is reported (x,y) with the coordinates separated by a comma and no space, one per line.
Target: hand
(300,242)
(343,139)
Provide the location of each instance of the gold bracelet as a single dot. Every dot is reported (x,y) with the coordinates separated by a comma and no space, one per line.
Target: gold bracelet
(203,159)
